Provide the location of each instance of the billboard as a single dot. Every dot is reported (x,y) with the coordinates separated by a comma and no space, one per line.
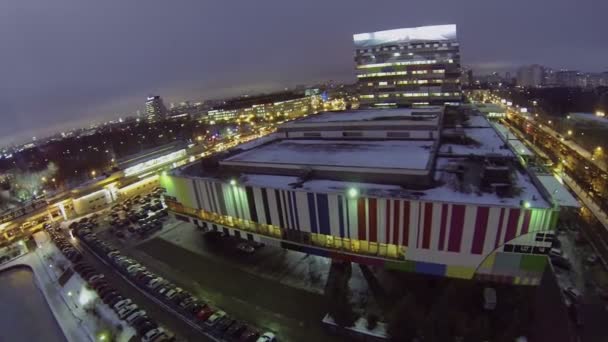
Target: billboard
(406,35)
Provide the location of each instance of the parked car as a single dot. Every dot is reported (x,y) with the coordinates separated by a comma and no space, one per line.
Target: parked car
(245,248)
(235,330)
(213,319)
(267,337)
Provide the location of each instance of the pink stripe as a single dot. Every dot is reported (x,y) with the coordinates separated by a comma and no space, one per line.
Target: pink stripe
(455,238)
(444,219)
(481,225)
(499,233)
(512,224)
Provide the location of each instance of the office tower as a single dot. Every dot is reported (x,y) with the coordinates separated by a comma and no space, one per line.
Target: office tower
(408,66)
(530,75)
(155,108)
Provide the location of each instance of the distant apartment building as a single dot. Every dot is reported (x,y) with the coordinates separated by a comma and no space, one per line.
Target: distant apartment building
(408,67)
(280,106)
(155,108)
(568,78)
(530,76)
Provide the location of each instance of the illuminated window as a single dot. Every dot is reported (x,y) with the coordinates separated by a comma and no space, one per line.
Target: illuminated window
(367,96)
(382,83)
(383,96)
(439,71)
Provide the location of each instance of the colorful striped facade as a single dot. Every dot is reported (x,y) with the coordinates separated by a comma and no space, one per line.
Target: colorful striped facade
(441,238)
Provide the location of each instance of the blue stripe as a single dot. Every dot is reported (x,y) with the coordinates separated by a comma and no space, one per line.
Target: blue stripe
(295,209)
(292,210)
(323,208)
(312,212)
(340,215)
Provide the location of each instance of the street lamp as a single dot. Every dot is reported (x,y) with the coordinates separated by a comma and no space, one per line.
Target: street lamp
(93,173)
(352,192)
(569,132)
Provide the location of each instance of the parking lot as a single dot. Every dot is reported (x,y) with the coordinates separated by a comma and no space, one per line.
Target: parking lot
(587,277)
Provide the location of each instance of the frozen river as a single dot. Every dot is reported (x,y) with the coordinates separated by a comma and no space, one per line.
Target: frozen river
(25,313)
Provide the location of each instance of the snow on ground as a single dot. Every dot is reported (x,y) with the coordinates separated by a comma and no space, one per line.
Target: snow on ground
(354,153)
(367,115)
(79,300)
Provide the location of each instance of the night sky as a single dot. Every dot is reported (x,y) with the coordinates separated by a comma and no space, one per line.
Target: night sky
(65,63)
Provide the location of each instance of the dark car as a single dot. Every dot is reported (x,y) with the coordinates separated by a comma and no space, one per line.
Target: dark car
(235,330)
(249,335)
(106,296)
(222,326)
(144,327)
(112,297)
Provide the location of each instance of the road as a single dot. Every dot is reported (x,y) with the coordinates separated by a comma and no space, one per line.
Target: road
(215,272)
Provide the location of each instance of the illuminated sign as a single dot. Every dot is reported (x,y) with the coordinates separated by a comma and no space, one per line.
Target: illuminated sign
(145,166)
(406,35)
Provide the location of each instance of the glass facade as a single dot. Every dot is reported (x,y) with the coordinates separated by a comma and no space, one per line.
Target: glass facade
(401,71)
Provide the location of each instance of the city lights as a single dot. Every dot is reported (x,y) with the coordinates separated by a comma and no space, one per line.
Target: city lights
(233,182)
(527,204)
(352,192)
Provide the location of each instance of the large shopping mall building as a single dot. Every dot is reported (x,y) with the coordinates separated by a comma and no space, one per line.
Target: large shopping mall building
(409,189)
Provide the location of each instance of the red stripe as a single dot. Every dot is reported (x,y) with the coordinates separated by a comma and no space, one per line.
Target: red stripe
(396,225)
(512,224)
(498,234)
(361,218)
(388,222)
(373,220)
(406,223)
(428,220)
(481,225)
(444,221)
(456,227)
(526,224)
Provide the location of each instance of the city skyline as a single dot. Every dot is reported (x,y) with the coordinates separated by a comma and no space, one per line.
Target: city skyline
(66,66)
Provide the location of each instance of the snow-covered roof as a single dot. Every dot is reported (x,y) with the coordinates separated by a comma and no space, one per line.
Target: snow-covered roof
(477,121)
(487,142)
(558,192)
(400,154)
(589,117)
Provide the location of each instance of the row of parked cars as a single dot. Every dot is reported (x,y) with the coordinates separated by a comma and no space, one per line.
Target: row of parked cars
(146,219)
(63,244)
(211,320)
(146,328)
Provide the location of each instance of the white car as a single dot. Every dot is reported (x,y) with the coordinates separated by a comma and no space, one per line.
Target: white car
(118,306)
(215,318)
(124,312)
(152,334)
(267,337)
(134,315)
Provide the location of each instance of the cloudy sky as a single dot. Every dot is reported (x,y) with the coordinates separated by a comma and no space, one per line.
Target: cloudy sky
(64,63)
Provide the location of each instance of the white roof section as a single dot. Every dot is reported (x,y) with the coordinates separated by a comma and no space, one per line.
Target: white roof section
(374,115)
(395,154)
(447,192)
(488,142)
(477,121)
(406,35)
(589,118)
(558,191)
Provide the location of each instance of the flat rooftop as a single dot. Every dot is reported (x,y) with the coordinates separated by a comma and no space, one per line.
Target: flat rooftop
(479,142)
(410,114)
(391,154)
(456,171)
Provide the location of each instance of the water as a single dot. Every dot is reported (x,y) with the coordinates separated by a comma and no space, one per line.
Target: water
(24,312)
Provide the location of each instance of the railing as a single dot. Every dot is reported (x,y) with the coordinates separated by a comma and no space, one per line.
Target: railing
(369,248)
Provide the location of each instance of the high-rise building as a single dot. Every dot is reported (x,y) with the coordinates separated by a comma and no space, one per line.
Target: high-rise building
(530,75)
(408,66)
(155,108)
(567,78)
